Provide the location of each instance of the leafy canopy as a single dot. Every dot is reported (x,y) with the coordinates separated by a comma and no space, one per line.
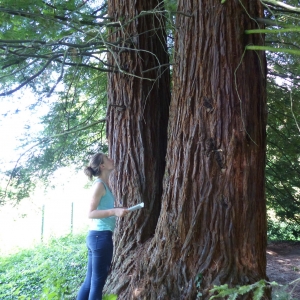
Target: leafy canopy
(57,49)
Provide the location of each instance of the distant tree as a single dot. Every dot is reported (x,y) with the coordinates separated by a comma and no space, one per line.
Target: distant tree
(283,131)
(282,168)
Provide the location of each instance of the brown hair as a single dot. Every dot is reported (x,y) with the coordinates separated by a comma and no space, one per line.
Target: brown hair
(93,169)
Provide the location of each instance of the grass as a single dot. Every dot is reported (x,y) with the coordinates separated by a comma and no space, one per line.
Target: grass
(49,271)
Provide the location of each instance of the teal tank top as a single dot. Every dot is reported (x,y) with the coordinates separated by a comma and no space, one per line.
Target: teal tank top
(106,202)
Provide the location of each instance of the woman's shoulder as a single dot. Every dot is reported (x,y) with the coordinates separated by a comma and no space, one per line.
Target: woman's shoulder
(98,183)
(97,180)
(99,188)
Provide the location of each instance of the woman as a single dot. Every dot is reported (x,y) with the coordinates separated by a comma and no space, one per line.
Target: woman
(103,218)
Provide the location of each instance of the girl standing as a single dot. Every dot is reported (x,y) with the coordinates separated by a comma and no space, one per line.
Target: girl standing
(103,218)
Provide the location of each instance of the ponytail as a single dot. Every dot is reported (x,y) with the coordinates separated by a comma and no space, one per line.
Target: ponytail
(93,169)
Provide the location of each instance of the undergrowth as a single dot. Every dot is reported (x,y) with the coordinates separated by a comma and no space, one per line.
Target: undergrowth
(283,231)
(55,270)
(279,292)
(49,271)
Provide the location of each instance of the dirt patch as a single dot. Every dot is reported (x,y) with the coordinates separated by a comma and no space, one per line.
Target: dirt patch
(283,266)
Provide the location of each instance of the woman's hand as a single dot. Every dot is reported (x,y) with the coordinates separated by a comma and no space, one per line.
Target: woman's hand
(121,211)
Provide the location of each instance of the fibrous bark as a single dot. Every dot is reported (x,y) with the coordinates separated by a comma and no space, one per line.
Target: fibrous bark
(138,109)
(213,215)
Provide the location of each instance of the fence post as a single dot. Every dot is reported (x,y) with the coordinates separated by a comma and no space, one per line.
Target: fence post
(72,216)
(43,219)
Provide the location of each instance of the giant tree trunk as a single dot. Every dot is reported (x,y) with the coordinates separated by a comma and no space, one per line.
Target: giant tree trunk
(138,109)
(213,219)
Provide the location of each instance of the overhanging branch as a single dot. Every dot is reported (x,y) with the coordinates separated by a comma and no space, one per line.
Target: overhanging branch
(28,80)
(25,14)
(272,49)
(282,5)
(71,131)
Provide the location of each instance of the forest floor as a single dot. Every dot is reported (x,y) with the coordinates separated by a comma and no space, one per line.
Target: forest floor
(283,266)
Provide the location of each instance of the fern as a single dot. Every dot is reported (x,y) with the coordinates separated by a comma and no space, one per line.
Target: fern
(257,288)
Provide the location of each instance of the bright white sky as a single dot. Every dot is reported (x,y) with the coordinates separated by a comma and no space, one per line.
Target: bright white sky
(15,116)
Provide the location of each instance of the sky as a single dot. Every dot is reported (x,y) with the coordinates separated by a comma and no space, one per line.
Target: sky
(16,120)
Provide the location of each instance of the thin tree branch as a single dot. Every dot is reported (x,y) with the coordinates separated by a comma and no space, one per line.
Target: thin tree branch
(28,80)
(18,70)
(287,29)
(266,48)
(281,4)
(282,43)
(99,9)
(60,43)
(87,66)
(71,131)
(60,76)
(158,67)
(54,17)
(16,164)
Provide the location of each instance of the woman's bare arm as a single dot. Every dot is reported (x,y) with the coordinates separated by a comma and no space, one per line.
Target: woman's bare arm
(94,213)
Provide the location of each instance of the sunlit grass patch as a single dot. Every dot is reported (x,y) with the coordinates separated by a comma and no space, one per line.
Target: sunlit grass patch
(50,271)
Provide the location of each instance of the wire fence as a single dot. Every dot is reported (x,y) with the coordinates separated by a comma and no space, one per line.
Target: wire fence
(64,221)
(29,225)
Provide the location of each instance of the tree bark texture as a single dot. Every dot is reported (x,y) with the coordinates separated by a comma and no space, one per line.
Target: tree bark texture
(138,109)
(212,223)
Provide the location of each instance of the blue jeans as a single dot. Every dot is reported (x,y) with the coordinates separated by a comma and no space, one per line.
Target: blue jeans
(100,251)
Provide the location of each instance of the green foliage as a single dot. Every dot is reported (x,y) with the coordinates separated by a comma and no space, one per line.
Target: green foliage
(50,271)
(198,281)
(282,168)
(110,297)
(57,49)
(279,292)
(285,292)
(283,130)
(281,231)
(282,293)
(73,130)
(40,39)
(256,288)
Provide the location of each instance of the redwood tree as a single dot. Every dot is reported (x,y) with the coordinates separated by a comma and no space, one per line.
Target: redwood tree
(210,221)
(138,109)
